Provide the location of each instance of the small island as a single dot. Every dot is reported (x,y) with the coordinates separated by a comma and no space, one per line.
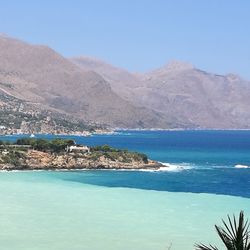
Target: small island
(63,154)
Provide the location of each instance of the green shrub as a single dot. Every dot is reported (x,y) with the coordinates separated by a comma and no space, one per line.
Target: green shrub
(119,154)
(55,145)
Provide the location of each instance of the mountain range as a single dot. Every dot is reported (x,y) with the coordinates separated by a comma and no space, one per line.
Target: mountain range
(177,95)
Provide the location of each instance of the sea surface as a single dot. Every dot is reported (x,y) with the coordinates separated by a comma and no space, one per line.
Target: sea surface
(120,210)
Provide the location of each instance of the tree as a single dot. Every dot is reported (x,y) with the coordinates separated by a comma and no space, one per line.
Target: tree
(235,236)
(41,144)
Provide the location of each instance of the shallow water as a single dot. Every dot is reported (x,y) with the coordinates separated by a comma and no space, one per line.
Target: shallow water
(42,210)
(112,210)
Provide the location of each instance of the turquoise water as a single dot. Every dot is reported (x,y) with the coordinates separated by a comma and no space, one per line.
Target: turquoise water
(130,210)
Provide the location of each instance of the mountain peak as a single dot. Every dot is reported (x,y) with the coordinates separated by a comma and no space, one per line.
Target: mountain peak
(233,77)
(178,65)
(172,66)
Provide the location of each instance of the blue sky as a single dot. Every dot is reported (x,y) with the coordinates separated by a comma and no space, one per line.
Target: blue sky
(138,35)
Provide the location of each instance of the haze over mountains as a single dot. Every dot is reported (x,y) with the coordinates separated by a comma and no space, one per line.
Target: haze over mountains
(39,74)
(175,96)
(194,98)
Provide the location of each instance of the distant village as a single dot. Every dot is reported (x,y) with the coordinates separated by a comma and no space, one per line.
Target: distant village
(19,117)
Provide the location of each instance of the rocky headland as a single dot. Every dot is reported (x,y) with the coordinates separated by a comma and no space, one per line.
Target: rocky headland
(40,154)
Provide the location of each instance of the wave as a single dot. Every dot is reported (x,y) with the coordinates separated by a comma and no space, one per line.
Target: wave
(186,166)
(172,167)
(168,167)
(241,166)
(175,167)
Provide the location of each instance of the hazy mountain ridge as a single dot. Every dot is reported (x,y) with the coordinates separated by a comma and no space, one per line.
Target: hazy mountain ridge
(175,96)
(120,80)
(191,95)
(39,74)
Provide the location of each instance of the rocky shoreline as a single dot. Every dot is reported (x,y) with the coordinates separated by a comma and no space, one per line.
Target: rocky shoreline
(37,160)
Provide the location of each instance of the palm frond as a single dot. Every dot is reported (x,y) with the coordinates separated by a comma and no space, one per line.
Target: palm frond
(235,236)
(204,247)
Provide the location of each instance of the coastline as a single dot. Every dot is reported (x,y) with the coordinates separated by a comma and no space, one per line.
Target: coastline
(115,131)
(82,170)
(87,166)
(180,129)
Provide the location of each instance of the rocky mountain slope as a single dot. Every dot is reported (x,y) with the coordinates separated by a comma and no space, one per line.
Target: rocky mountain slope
(120,80)
(192,97)
(40,75)
(177,95)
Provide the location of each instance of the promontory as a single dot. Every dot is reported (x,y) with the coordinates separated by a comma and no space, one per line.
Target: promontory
(63,154)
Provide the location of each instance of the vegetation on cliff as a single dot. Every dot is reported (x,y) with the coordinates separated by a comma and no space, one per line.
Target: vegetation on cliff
(122,155)
(32,153)
(53,146)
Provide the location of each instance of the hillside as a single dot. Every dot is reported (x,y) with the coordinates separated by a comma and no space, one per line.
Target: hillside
(89,91)
(120,80)
(40,75)
(193,97)
(19,116)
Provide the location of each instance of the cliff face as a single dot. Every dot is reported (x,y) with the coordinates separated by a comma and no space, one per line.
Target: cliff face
(37,160)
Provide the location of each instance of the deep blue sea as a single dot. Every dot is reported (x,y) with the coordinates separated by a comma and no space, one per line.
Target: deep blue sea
(202,161)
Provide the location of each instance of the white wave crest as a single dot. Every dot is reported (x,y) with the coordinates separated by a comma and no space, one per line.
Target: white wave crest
(241,166)
(174,167)
(168,167)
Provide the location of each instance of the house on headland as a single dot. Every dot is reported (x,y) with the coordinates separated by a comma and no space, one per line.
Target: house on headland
(78,148)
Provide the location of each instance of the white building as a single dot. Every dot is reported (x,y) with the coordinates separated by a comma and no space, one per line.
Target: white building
(76,148)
